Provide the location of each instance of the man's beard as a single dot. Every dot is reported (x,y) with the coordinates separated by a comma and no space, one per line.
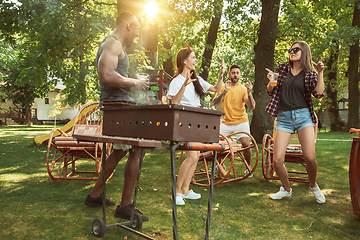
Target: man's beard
(234,80)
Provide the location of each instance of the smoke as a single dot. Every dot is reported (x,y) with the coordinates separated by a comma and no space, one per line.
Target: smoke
(146,97)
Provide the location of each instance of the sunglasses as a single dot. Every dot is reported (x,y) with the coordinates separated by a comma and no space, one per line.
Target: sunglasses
(294,50)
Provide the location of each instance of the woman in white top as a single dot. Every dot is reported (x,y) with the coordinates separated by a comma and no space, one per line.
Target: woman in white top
(186,88)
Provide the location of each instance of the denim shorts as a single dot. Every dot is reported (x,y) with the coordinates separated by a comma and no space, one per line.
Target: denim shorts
(294,120)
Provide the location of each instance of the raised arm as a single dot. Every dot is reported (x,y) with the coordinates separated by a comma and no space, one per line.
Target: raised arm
(110,51)
(320,69)
(250,102)
(219,82)
(269,88)
(219,98)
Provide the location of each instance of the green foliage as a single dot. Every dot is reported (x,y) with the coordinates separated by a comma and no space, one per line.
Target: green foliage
(242,22)
(183,21)
(9,21)
(236,38)
(324,25)
(12,87)
(51,31)
(141,62)
(320,23)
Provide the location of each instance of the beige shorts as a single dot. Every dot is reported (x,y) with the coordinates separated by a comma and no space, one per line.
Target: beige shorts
(123,147)
(229,129)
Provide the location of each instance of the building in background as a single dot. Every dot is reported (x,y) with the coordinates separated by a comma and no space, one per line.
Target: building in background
(11,114)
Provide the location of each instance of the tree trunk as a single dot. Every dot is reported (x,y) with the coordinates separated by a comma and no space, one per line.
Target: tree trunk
(28,115)
(336,124)
(353,112)
(82,84)
(149,37)
(168,64)
(211,39)
(264,58)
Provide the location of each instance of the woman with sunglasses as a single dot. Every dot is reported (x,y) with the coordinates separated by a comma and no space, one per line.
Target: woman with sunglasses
(292,105)
(186,88)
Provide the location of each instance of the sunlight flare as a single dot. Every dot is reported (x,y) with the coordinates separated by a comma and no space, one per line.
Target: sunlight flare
(151,9)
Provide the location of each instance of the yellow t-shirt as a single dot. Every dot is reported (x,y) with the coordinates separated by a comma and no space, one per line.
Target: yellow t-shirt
(233,105)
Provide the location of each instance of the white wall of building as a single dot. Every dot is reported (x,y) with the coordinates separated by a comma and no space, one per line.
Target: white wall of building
(43,109)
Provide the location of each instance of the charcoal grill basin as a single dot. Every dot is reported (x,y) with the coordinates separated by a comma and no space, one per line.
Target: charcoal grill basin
(172,122)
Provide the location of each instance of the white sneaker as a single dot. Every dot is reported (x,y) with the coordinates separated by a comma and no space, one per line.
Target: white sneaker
(282,194)
(319,196)
(247,172)
(191,195)
(179,199)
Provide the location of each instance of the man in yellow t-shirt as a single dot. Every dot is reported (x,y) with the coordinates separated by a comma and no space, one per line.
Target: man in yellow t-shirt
(233,96)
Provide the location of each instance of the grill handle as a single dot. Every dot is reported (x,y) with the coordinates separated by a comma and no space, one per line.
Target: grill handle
(203,146)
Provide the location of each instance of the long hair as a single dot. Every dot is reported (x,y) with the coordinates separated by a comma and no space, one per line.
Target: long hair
(305,60)
(182,55)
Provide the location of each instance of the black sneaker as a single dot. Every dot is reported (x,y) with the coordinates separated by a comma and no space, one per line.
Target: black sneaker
(97,202)
(126,212)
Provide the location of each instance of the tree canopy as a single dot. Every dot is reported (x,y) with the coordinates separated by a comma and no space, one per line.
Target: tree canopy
(52,40)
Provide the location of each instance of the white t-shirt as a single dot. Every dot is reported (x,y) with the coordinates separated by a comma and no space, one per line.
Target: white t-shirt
(190,98)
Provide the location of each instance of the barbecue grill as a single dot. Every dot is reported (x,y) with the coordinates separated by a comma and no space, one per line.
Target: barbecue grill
(161,122)
(175,123)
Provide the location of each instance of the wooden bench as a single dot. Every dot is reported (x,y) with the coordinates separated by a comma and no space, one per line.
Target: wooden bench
(65,153)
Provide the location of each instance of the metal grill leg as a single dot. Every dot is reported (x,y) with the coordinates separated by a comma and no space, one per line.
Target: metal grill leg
(173,178)
(210,197)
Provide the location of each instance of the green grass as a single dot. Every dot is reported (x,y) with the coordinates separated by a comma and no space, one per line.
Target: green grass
(335,135)
(35,207)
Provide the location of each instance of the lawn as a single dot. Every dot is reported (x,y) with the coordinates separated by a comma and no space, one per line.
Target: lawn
(35,207)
